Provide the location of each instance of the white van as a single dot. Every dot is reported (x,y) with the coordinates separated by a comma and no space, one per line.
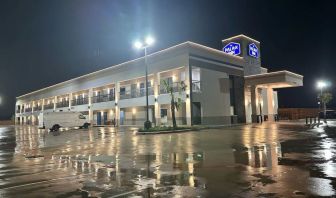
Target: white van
(56,120)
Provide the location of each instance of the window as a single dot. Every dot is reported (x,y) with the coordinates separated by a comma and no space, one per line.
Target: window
(196,74)
(122,90)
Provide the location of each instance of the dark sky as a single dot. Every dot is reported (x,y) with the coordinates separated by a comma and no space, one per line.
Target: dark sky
(46,42)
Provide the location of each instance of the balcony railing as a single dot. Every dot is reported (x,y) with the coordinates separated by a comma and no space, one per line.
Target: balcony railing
(28,109)
(49,106)
(80,101)
(62,104)
(103,98)
(196,86)
(174,85)
(37,108)
(136,93)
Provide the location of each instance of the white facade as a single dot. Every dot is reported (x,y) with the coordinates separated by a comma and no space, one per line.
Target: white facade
(221,89)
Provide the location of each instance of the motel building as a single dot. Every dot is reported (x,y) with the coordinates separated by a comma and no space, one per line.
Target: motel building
(224,87)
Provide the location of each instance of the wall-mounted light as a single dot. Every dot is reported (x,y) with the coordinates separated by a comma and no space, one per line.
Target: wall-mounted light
(187,95)
(155,99)
(116,104)
(134,111)
(174,78)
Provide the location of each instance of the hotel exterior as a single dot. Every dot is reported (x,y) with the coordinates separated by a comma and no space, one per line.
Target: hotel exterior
(224,87)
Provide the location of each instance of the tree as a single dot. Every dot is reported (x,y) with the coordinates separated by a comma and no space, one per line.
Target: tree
(175,101)
(325,99)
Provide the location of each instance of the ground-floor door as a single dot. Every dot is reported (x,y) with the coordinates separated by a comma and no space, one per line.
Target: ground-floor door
(99,118)
(164,116)
(122,117)
(105,118)
(196,113)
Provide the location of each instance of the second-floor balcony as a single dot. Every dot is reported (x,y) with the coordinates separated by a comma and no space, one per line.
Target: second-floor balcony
(27,110)
(174,86)
(136,93)
(103,98)
(80,101)
(37,108)
(49,106)
(62,104)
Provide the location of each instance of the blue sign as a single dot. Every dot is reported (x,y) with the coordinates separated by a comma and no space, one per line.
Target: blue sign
(232,48)
(253,50)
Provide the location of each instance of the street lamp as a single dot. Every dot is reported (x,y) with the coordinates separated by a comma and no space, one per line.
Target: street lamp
(321,85)
(144,45)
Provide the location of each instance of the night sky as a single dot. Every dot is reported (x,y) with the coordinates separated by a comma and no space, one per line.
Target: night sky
(50,41)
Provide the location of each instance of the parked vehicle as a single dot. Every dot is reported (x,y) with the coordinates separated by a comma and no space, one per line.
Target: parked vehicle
(56,120)
(330,114)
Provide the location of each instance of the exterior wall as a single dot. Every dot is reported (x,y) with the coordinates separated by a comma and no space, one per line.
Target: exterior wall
(221,102)
(239,97)
(214,97)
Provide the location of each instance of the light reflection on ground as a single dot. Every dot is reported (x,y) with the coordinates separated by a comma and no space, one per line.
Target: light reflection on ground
(268,160)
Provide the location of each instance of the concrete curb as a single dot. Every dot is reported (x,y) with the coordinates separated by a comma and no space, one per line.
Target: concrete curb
(164,132)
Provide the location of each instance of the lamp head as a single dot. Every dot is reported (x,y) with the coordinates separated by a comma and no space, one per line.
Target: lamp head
(137,44)
(149,40)
(321,84)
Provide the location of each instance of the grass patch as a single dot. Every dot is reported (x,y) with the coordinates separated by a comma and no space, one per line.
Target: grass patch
(163,128)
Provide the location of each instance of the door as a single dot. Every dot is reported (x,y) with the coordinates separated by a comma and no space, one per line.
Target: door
(105,118)
(142,89)
(98,118)
(164,116)
(196,113)
(122,117)
(133,90)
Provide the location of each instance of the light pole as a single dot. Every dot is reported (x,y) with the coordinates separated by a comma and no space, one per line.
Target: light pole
(144,45)
(321,85)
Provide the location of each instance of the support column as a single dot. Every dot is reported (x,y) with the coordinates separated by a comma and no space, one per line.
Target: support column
(270,104)
(254,102)
(157,106)
(188,101)
(55,102)
(70,101)
(90,106)
(43,102)
(117,98)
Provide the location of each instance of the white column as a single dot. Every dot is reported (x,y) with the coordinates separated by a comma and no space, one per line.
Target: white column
(43,102)
(188,94)
(55,102)
(90,106)
(270,104)
(157,108)
(70,100)
(117,98)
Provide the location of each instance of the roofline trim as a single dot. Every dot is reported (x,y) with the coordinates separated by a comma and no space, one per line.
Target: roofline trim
(273,74)
(132,61)
(241,35)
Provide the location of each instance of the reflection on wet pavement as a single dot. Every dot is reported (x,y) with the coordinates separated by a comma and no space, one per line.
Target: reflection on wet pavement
(269,160)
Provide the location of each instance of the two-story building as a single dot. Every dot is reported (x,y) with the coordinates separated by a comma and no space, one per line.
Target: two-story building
(223,87)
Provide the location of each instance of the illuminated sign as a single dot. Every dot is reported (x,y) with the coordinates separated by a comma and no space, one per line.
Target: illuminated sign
(253,50)
(232,48)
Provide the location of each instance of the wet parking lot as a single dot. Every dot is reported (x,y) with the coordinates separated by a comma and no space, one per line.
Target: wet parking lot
(268,160)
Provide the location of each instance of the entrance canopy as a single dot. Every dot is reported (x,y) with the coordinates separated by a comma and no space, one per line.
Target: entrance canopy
(279,79)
